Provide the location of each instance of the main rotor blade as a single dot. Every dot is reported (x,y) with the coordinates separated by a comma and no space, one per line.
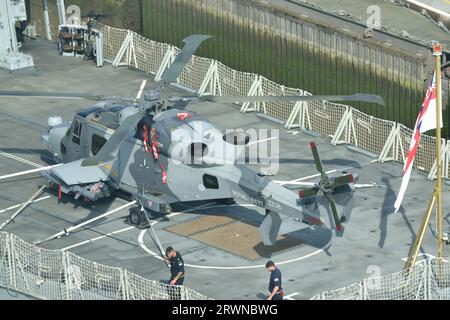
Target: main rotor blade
(317,161)
(106,153)
(55,95)
(370,98)
(191,45)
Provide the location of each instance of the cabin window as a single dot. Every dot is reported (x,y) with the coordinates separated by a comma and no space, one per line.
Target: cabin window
(210,182)
(76,136)
(63,148)
(97,143)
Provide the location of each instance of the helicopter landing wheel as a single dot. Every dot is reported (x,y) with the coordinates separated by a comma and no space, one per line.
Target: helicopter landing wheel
(135,217)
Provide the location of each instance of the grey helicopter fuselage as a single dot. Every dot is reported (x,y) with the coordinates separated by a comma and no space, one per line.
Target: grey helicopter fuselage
(186,166)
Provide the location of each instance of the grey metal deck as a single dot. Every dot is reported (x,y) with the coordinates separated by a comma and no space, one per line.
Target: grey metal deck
(374,236)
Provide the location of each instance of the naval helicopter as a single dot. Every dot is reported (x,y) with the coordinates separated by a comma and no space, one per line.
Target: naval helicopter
(150,148)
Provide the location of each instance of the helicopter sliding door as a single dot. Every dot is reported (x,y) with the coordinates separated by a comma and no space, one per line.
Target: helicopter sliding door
(131,165)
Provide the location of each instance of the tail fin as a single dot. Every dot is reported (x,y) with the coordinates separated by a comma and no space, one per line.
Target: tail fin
(270,227)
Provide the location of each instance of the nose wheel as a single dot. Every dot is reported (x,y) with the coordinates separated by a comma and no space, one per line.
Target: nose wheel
(138,219)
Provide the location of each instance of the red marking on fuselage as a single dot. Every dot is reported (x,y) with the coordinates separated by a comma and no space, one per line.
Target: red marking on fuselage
(183,115)
(314,220)
(59,192)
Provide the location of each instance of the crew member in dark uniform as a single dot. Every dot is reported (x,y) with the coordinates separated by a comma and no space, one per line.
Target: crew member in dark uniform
(275,289)
(176,272)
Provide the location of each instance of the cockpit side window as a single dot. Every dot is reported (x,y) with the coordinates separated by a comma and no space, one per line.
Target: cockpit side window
(97,143)
(76,135)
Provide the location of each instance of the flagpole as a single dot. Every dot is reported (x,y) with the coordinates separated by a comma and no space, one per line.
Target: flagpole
(437,52)
(420,234)
(436,197)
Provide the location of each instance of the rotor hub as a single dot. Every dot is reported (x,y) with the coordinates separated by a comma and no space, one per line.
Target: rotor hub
(326,187)
(151,95)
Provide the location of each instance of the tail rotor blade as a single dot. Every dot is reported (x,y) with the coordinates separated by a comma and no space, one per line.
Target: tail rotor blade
(306,193)
(337,222)
(317,161)
(338,181)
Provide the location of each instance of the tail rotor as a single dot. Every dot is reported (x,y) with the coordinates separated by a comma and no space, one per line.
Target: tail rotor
(335,194)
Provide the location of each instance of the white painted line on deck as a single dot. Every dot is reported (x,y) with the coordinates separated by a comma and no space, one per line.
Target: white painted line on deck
(318,174)
(126,229)
(298,183)
(28,172)
(72,228)
(97,238)
(139,94)
(18,205)
(289,296)
(13,157)
(262,140)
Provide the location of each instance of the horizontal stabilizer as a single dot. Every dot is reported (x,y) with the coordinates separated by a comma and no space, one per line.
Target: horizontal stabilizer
(73,173)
